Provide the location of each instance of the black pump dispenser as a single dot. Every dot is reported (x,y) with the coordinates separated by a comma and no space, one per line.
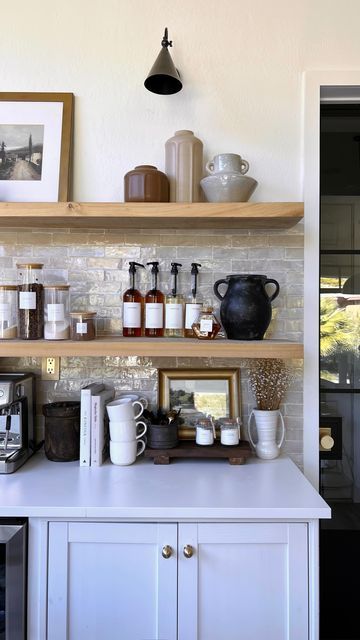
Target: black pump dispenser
(194,277)
(132,271)
(154,271)
(174,273)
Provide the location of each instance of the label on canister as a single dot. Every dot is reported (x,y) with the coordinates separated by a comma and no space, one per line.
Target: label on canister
(204,436)
(154,315)
(4,311)
(132,315)
(55,312)
(81,327)
(27,300)
(206,325)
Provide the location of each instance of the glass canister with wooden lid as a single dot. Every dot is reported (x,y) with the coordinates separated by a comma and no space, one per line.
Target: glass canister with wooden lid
(8,311)
(30,301)
(57,312)
(83,325)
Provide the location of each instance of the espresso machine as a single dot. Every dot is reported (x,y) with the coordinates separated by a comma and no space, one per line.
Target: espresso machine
(17,419)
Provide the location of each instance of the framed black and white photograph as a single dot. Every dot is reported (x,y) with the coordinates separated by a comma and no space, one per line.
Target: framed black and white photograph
(35,146)
(198,393)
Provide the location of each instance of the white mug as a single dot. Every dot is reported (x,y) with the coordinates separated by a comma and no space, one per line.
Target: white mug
(122,409)
(135,396)
(127,430)
(124,453)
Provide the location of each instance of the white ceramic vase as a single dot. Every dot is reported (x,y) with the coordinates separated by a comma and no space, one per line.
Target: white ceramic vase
(184,166)
(227,182)
(266,423)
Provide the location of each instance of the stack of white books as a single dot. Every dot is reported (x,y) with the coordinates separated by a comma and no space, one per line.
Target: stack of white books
(94,427)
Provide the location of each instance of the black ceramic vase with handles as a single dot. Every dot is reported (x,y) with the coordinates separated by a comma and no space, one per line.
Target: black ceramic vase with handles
(246,306)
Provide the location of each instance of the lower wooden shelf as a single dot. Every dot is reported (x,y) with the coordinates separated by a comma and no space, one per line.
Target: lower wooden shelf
(186,449)
(153,347)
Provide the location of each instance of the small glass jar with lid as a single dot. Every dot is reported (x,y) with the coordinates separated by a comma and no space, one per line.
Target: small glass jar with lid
(57,312)
(30,301)
(8,311)
(83,325)
(205,431)
(229,431)
(207,326)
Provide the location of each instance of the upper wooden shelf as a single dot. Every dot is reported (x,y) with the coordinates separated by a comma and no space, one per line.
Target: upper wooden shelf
(153,347)
(110,215)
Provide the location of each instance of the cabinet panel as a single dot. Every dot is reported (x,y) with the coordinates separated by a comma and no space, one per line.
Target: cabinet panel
(110,580)
(243,581)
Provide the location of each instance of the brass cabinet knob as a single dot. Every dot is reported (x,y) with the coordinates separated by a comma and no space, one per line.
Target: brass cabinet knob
(327,442)
(188,551)
(166,551)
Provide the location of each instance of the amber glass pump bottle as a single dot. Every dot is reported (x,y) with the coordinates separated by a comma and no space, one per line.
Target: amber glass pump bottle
(132,306)
(154,306)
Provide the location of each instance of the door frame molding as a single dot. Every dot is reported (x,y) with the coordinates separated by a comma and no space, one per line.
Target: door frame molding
(341,85)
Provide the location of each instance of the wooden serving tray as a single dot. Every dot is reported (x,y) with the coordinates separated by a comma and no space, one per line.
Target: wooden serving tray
(189,449)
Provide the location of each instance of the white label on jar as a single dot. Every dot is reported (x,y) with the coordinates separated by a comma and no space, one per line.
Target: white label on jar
(4,311)
(204,436)
(174,318)
(154,315)
(132,315)
(55,312)
(192,312)
(206,325)
(27,300)
(81,327)
(229,436)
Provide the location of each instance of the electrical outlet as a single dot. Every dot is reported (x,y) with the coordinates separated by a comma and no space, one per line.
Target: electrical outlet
(50,368)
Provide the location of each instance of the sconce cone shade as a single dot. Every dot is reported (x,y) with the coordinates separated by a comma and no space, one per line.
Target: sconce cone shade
(163,77)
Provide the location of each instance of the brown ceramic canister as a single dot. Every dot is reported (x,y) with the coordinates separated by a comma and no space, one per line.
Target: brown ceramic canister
(146,183)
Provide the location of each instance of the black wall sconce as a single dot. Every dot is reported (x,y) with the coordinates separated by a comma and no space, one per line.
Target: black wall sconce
(163,76)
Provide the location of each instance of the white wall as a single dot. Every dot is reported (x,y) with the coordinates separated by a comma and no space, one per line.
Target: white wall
(241,65)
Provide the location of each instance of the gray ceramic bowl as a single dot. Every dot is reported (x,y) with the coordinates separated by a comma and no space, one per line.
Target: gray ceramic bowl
(228,187)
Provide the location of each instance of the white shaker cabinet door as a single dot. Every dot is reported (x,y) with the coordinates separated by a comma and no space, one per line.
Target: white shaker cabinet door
(110,580)
(243,582)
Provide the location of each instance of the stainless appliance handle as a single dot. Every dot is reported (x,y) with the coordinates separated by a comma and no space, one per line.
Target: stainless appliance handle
(14,539)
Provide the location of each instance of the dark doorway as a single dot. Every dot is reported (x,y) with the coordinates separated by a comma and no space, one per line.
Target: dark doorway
(340,368)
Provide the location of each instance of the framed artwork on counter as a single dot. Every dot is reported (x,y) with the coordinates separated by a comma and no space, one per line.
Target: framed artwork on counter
(199,392)
(36,131)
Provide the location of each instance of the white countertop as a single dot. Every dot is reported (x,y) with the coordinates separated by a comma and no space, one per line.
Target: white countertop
(185,489)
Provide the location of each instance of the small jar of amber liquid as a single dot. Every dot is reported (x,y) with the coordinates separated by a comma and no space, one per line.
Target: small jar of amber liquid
(207,327)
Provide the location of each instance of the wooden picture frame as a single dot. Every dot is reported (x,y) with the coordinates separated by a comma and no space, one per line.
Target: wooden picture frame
(41,121)
(226,404)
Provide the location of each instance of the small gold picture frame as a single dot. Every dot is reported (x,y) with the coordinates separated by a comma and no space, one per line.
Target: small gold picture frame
(199,392)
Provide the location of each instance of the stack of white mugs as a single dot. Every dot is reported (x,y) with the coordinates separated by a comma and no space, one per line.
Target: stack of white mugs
(127,432)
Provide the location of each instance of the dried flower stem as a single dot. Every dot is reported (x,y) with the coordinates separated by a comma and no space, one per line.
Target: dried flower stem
(269,380)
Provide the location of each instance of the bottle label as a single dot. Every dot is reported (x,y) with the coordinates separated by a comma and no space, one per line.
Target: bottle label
(132,315)
(192,312)
(27,300)
(4,311)
(154,315)
(174,317)
(206,325)
(55,312)
(81,327)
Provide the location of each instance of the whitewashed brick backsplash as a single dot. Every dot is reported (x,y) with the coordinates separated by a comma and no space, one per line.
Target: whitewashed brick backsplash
(95,263)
